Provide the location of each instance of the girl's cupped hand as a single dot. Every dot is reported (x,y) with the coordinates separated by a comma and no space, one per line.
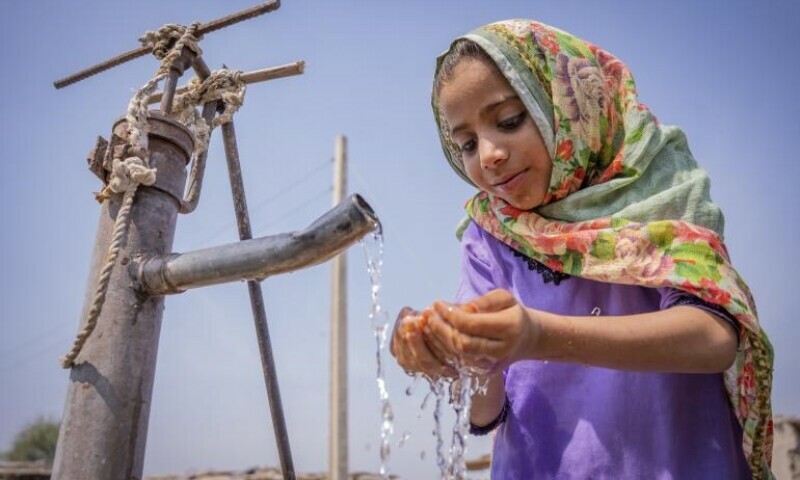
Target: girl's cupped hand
(485,335)
(412,352)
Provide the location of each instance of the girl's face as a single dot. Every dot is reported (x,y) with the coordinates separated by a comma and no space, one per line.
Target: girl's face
(502,150)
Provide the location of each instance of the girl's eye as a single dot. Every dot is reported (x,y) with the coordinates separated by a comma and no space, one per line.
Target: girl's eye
(468,146)
(512,123)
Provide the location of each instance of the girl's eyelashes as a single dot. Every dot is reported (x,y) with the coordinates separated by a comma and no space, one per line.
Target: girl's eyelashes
(468,146)
(512,123)
(508,125)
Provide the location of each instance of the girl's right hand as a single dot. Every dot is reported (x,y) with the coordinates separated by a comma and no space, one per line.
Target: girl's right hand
(409,348)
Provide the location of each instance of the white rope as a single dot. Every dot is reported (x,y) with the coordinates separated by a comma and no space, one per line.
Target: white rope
(126,176)
(224,85)
(161,41)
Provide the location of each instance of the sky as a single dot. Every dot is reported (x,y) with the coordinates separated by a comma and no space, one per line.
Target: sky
(725,71)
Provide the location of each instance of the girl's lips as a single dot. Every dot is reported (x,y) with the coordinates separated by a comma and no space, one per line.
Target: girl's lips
(507,186)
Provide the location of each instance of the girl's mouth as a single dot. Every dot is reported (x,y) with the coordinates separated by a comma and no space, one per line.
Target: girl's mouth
(511,183)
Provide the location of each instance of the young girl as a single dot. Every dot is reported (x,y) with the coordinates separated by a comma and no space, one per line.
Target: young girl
(596,293)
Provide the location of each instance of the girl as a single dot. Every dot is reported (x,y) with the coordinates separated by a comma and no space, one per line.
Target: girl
(597,293)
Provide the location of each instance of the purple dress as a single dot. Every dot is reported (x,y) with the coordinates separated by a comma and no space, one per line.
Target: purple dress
(567,421)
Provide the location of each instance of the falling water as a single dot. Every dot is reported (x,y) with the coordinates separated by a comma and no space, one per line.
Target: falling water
(453,465)
(373,248)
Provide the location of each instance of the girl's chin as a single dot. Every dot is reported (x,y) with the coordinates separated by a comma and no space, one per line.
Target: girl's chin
(523,204)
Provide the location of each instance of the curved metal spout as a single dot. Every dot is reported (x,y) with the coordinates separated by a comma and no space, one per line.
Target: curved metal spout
(259,258)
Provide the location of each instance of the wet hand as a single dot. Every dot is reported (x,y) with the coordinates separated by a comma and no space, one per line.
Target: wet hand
(408,346)
(487,334)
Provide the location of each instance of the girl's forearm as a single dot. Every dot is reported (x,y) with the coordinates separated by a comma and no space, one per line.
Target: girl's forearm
(486,408)
(679,339)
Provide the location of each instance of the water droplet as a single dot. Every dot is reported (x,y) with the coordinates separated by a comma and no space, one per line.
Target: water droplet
(403,439)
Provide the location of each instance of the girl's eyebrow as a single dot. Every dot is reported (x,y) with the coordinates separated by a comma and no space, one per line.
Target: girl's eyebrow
(484,110)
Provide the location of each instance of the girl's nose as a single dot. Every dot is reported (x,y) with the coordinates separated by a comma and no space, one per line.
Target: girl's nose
(491,154)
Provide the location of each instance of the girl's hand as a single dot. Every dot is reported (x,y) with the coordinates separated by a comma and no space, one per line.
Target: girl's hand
(489,333)
(409,348)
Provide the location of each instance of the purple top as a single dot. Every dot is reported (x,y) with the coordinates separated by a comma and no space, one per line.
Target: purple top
(568,421)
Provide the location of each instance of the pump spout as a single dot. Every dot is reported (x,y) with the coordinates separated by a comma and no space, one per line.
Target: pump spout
(262,257)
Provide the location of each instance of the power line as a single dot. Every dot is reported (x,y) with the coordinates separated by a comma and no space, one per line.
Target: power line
(53,347)
(300,180)
(298,208)
(407,251)
(38,337)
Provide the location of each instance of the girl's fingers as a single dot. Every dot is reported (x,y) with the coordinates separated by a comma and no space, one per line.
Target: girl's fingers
(422,358)
(494,301)
(439,347)
(482,347)
(452,344)
(402,322)
(486,325)
(453,347)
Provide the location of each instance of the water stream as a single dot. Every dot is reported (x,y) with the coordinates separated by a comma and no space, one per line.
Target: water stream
(373,248)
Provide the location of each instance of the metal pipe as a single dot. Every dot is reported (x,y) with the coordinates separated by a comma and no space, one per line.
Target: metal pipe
(104,427)
(257,259)
(209,27)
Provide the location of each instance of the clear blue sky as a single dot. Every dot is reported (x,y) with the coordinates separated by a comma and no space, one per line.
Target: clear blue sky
(725,71)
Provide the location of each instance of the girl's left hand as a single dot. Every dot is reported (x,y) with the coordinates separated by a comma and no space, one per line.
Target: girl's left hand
(489,333)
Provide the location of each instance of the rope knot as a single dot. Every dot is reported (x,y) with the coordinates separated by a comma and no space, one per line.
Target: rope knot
(168,41)
(128,174)
(224,85)
(163,39)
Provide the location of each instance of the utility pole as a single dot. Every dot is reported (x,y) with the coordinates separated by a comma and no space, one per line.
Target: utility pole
(338,387)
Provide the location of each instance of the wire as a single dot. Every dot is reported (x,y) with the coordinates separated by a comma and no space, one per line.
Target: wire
(38,337)
(407,251)
(290,187)
(300,180)
(298,208)
(52,347)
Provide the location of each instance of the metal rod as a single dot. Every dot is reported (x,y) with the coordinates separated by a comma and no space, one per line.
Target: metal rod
(257,305)
(169,91)
(256,259)
(241,16)
(209,27)
(255,76)
(200,68)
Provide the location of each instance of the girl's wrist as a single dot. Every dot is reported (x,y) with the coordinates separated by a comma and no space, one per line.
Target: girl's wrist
(533,343)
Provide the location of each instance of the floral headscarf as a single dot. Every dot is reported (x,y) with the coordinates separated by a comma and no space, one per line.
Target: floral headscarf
(627,202)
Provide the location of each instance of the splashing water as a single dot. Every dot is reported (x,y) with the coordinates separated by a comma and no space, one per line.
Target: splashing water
(373,248)
(453,465)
